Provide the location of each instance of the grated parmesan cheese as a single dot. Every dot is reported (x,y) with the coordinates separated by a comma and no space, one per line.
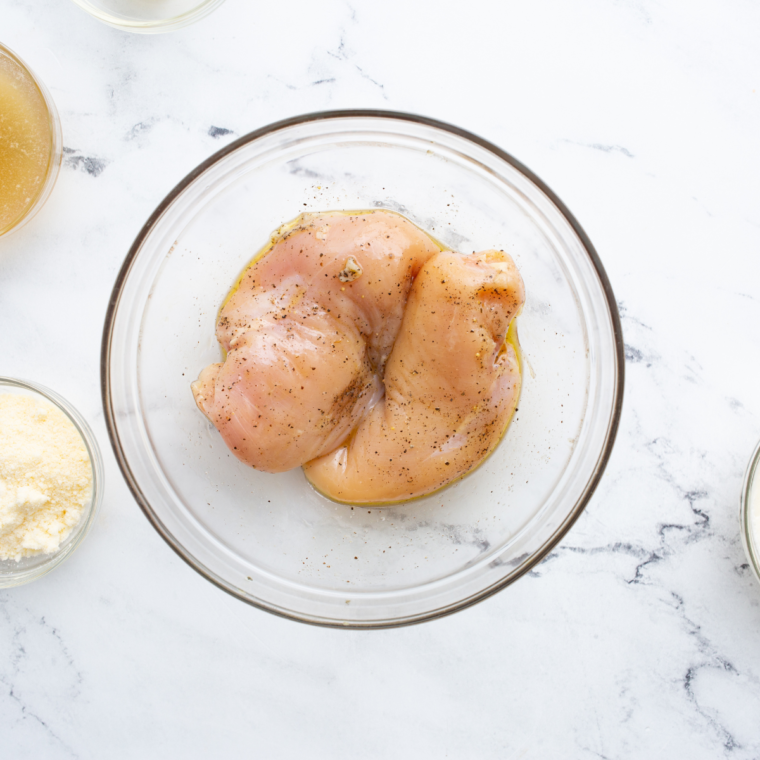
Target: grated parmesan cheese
(45,476)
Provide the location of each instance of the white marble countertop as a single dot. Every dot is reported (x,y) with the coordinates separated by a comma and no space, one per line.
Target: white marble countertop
(639,636)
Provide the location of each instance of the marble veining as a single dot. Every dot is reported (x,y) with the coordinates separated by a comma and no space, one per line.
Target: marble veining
(73,159)
(637,636)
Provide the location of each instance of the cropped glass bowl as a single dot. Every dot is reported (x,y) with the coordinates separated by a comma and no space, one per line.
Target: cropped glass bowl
(750,503)
(14,573)
(271,540)
(56,149)
(149,16)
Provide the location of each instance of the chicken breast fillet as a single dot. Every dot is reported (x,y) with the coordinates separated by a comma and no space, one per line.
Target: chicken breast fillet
(307,334)
(451,385)
(360,350)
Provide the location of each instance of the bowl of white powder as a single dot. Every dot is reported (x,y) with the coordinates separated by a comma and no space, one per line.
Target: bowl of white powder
(750,512)
(51,476)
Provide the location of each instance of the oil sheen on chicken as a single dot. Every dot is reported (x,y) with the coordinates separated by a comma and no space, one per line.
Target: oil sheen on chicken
(358,349)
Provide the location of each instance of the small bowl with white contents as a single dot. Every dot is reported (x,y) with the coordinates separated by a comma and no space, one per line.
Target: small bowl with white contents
(750,512)
(149,16)
(51,476)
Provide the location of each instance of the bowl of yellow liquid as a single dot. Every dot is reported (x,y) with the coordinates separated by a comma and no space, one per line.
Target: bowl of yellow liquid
(148,16)
(30,143)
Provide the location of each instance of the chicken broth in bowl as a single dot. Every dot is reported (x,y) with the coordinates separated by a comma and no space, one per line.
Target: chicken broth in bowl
(30,143)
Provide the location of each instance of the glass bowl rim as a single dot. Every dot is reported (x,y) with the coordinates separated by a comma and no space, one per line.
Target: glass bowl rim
(748,540)
(160,25)
(96,463)
(56,146)
(113,304)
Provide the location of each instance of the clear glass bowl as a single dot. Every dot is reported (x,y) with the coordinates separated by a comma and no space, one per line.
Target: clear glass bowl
(751,498)
(271,540)
(56,149)
(27,569)
(149,16)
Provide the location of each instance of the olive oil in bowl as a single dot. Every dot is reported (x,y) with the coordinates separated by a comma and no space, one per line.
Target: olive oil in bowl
(30,143)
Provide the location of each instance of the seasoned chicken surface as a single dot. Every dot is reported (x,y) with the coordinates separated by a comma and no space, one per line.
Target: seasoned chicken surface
(451,385)
(307,335)
(360,350)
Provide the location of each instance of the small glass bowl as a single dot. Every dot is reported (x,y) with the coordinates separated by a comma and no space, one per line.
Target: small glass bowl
(149,16)
(750,493)
(13,573)
(56,148)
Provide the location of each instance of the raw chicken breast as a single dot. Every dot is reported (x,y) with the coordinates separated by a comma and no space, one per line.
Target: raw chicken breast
(451,385)
(308,332)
